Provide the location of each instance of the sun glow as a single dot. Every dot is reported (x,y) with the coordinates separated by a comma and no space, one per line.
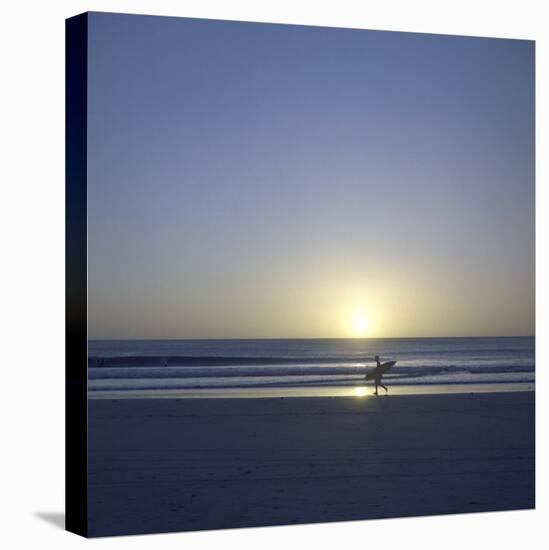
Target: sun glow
(360,325)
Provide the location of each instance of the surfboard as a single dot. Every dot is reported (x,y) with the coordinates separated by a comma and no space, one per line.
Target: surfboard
(382,369)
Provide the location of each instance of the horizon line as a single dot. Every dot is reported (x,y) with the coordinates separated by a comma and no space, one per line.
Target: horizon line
(309,338)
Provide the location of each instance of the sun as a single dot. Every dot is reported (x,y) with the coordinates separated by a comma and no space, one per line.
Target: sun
(360,325)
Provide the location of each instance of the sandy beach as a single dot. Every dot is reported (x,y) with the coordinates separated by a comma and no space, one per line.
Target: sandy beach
(191,464)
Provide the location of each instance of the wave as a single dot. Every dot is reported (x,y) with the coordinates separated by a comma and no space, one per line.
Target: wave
(292,371)
(122,361)
(212,360)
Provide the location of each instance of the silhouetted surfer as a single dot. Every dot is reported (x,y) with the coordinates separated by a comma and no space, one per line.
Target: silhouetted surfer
(378,373)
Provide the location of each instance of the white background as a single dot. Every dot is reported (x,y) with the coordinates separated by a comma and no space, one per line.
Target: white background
(32,271)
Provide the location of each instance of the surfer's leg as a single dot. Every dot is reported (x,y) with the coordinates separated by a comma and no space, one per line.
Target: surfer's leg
(375,393)
(385,388)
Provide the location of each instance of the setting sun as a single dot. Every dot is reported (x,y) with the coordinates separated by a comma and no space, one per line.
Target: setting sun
(360,326)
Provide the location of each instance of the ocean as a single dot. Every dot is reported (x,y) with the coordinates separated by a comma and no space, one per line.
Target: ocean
(124,367)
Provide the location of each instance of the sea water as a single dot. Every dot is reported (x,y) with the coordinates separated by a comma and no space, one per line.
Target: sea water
(129,366)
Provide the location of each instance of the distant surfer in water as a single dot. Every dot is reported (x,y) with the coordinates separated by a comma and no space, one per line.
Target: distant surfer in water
(378,373)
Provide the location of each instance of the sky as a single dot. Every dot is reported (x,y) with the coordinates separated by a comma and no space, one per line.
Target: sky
(272,181)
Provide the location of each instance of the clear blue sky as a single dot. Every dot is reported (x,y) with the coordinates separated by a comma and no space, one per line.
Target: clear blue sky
(256,180)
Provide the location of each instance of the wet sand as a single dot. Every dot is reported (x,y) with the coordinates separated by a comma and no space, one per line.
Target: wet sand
(190,464)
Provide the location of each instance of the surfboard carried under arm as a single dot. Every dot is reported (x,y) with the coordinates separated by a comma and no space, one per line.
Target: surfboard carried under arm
(381,370)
